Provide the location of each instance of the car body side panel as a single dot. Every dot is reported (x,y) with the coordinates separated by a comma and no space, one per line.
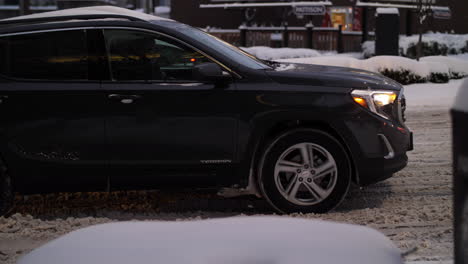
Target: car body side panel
(171,131)
(53,138)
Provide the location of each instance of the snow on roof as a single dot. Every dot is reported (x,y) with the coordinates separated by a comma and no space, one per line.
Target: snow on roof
(273,4)
(92,10)
(387,10)
(373,4)
(245,240)
(162,9)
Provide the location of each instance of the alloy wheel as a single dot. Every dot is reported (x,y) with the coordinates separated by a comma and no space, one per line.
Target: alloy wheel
(306,174)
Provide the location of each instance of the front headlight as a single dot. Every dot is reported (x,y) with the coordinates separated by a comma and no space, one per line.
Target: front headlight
(382,103)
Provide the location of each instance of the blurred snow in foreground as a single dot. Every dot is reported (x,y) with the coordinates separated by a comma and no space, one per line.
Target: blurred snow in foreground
(236,240)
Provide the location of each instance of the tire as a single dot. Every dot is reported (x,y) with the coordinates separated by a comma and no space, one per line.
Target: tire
(291,184)
(6,191)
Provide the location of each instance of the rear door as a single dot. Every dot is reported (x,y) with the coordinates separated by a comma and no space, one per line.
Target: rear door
(163,124)
(51,111)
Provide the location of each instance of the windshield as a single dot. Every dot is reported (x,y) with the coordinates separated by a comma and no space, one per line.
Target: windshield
(237,55)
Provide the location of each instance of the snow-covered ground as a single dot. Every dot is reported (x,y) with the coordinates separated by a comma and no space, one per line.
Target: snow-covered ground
(413,208)
(431,96)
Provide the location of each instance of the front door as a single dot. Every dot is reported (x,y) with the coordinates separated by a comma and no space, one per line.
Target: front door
(163,125)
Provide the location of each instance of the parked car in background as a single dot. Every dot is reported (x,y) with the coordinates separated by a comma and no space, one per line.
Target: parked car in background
(460,173)
(104,98)
(236,240)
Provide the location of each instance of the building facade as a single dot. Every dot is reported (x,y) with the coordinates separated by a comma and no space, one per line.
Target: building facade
(347,13)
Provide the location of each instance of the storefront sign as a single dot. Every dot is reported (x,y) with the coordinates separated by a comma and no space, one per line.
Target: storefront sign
(309,10)
(403,1)
(442,14)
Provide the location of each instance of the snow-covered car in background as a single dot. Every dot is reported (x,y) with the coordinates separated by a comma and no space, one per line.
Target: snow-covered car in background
(460,173)
(237,240)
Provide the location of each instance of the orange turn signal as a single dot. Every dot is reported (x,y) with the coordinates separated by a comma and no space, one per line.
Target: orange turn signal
(361,101)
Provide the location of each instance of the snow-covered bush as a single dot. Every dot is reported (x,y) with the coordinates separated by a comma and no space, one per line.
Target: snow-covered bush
(456,68)
(403,76)
(368,48)
(437,69)
(433,44)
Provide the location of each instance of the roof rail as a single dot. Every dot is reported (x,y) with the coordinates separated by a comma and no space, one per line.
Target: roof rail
(64,18)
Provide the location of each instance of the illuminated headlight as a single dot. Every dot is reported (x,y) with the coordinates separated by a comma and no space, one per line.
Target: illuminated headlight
(383,103)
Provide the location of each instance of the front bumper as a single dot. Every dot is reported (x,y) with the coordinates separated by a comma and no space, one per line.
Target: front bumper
(378,146)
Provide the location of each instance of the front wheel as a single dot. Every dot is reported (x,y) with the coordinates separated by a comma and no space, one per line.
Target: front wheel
(306,171)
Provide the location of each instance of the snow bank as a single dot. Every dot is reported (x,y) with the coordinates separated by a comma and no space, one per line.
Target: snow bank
(267,53)
(229,240)
(455,66)
(396,63)
(375,64)
(438,43)
(420,71)
(454,42)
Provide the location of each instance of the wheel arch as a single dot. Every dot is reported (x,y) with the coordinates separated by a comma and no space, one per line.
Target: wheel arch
(282,127)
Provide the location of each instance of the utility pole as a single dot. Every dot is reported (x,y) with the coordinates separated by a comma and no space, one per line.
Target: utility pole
(424,7)
(149,7)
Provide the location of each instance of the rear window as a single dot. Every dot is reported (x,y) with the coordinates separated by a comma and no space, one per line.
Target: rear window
(61,55)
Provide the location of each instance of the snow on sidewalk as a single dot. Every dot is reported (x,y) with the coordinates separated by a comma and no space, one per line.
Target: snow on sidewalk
(429,95)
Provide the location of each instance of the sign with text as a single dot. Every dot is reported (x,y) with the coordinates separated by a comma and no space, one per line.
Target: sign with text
(442,14)
(310,10)
(402,1)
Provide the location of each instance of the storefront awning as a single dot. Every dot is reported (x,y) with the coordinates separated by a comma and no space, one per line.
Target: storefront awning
(273,4)
(374,4)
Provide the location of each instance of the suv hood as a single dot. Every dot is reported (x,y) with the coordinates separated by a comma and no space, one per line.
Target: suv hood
(319,75)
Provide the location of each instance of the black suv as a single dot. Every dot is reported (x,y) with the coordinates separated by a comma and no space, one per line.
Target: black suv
(106,98)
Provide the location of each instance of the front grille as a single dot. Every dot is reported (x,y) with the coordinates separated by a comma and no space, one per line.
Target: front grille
(402,109)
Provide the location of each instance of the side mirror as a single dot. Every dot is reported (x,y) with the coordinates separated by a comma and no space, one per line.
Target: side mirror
(211,73)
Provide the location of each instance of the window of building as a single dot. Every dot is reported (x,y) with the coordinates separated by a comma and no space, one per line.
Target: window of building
(60,55)
(140,56)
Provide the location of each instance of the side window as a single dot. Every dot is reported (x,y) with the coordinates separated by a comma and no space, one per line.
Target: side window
(135,55)
(60,55)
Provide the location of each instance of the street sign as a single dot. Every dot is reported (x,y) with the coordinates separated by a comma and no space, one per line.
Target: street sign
(442,14)
(403,1)
(309,10)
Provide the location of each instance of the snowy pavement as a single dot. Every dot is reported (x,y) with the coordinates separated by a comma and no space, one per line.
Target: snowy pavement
(413,208)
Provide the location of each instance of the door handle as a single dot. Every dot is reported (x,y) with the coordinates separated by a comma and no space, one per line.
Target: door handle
(124,98)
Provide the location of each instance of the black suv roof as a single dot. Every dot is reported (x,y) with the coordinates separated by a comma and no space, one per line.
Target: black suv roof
(82,13)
